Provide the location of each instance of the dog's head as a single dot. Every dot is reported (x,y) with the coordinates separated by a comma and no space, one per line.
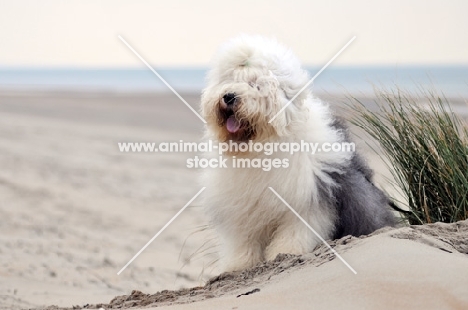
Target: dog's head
(251,80)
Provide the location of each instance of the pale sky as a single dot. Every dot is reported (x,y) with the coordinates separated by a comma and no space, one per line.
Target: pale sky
(186,33)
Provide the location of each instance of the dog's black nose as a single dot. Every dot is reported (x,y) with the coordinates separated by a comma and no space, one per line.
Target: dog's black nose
(229,98)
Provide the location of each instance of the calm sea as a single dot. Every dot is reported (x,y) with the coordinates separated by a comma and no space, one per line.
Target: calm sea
(451,80)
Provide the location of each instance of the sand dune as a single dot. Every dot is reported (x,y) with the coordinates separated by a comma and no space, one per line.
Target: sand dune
(418,267)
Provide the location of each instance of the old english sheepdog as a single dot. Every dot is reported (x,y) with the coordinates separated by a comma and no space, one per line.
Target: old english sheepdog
(251,80)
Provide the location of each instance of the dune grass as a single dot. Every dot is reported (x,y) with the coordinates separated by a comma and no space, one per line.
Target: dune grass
(426,147)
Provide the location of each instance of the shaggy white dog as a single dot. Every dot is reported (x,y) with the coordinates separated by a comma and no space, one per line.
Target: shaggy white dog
(251,80)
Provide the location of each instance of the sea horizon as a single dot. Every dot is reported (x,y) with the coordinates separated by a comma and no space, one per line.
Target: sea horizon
(451,80)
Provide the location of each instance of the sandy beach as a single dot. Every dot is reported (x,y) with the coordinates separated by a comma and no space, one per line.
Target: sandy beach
(75,210)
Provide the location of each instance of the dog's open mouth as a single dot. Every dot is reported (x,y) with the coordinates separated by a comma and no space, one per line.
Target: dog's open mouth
(232,124)
(237,129)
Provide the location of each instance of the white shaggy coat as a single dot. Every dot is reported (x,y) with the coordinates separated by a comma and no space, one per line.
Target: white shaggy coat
(252,223)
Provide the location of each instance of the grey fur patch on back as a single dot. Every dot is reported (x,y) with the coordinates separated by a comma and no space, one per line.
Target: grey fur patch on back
(361,207)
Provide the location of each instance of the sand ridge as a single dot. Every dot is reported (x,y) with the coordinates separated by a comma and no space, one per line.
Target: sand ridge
(450,238)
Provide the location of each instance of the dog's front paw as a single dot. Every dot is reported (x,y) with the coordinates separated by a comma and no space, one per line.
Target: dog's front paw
(272,252)
(240,263)
(242,256)
(285,246)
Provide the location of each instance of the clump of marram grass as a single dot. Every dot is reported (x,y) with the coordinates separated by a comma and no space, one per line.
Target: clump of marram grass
(426,147)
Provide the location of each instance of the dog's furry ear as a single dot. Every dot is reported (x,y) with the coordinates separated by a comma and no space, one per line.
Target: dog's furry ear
(283,120)
(294,114)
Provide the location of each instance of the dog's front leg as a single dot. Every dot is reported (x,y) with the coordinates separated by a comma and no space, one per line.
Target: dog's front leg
(291,237)
(240,252)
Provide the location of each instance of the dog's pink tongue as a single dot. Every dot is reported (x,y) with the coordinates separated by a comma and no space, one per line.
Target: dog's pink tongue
(232,124)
